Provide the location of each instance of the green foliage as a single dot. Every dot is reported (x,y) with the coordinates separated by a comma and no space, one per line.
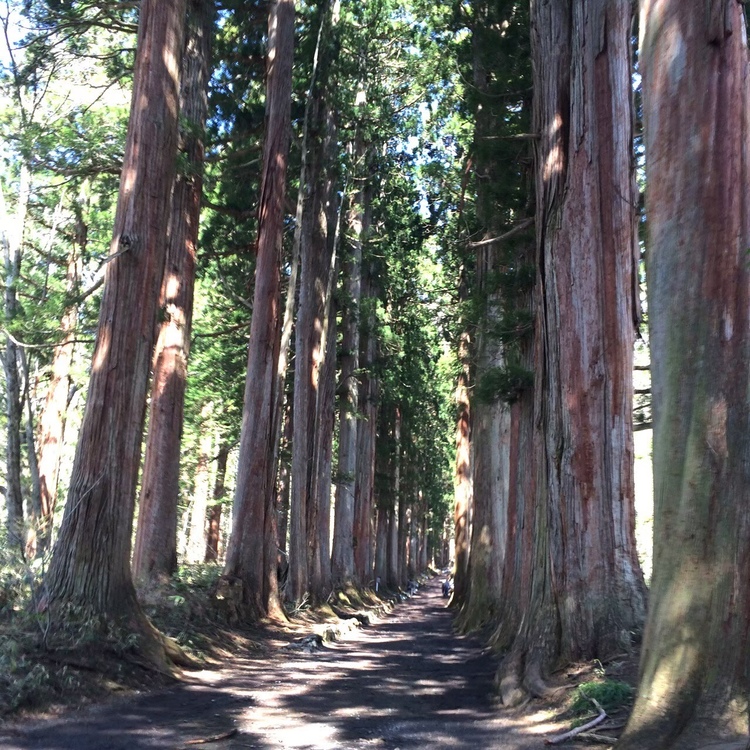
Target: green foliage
(514,326)
(503,383)
(610,694)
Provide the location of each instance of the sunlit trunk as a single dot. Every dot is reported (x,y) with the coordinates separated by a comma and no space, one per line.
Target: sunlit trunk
(252,550)
(694,663)
(586,596)
(155,553)
(90,568)
(11,238)
(196,541)
(342,560)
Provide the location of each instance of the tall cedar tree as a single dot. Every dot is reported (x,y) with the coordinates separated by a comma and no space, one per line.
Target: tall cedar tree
(586,595)
(155,554)
(252,550)
(90,567)
(315,248)
(693,686)
(342,558)
(463,489)
(319,504)
(11,239)
(364,505)
(490,413)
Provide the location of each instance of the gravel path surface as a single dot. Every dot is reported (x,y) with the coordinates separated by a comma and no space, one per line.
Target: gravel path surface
(404,682)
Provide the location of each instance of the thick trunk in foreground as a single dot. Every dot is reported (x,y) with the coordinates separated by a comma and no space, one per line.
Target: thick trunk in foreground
(693,686)
(90,568)
(252,552)
(155,553)
(587,595)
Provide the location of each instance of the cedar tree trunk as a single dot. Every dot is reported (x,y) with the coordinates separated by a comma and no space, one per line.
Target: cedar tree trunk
(215,511)
(11,237)
(252,550)
(155,553)
(462,478)
(587,596)
(366,435)
(311,237)
(342,559)
(693,685)
(90,567)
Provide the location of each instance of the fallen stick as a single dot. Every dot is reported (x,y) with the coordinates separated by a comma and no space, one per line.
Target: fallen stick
(583,728)
(215,738)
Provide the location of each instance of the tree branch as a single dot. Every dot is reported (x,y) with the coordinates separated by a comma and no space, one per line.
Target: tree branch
(523,226)
(583,728)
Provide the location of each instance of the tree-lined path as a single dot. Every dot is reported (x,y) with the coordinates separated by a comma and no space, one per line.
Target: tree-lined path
(406,682)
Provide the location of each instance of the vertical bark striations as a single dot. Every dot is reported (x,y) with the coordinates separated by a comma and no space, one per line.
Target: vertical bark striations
(694,672)
(586,596)
(252,550)
(155,553)
(90,566)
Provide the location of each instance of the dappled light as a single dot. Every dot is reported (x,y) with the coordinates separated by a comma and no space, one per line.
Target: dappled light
(405,681)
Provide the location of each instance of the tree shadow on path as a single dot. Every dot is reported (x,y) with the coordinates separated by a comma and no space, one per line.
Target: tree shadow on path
(407,682)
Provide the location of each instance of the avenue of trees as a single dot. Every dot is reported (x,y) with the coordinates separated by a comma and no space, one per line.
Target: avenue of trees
(322,294)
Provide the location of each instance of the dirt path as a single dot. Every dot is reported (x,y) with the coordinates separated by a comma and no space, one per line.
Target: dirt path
(405,682)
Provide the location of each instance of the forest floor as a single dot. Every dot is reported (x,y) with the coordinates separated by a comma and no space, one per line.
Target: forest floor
(404,681)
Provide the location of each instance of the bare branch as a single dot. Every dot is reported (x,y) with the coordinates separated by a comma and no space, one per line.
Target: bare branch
(523,226)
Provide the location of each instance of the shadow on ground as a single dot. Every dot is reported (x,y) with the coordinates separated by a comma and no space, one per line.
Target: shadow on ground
(406,682)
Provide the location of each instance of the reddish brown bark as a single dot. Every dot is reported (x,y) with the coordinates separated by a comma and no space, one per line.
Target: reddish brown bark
(366,436)
(252,550)
(155,553)
(90,567)
(694,663)
(215,511)
(315,248)
(586,594)
(342,559)
(319,502)
(462,480)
